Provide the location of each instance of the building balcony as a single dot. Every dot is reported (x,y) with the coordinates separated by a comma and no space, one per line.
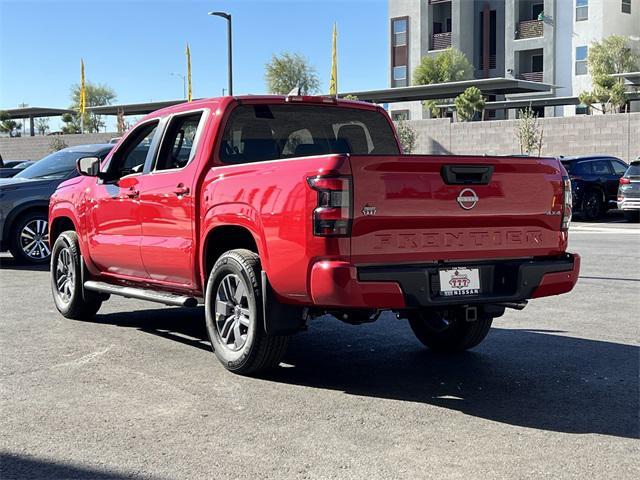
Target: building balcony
(529,29)
(532,76)
(440,41)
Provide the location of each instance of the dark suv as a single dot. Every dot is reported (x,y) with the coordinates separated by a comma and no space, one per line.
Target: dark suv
(24,201)
(594,180)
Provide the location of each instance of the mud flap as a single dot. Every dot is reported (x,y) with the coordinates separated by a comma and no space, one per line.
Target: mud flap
(279,318)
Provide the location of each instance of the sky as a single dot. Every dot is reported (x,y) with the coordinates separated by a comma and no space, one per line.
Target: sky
(133,46)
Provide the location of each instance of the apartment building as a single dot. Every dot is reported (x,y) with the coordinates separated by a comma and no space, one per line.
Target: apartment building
(537,40)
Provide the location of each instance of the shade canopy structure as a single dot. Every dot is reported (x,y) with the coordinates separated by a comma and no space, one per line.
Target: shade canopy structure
(36,112)
(134,108)
(537,102)
(631,78)
(436,91)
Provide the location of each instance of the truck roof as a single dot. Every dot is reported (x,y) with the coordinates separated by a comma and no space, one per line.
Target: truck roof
(223,102)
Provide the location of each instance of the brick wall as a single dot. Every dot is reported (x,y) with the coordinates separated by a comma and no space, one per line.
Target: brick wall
(34,148)
(617,135)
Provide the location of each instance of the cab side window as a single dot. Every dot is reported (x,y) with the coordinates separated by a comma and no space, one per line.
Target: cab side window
(132,155)
(178,146)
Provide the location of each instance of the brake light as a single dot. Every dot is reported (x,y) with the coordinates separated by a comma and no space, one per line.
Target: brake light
(567,204)
(332,216)
(624,181)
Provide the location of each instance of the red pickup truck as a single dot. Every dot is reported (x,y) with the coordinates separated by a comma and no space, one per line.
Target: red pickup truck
(273,210)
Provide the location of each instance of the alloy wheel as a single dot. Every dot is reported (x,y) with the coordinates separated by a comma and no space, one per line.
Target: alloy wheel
(65,275)
(232,312)
(34,239)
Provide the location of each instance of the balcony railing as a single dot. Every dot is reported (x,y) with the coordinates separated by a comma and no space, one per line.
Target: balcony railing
(532,76)
(440,41)
(529,29)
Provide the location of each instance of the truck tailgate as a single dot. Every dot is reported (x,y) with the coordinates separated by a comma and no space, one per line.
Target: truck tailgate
(422,208)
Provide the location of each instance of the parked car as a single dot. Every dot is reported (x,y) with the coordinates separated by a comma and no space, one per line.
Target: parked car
(24,202)
(594,182)
(16,168)
(273,210)
(13,163)
(629,192)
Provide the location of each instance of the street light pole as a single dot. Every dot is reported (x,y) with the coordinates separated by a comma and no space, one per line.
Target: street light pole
(227,17)
(184,83)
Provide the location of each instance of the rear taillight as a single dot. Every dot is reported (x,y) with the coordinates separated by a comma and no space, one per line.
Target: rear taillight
(624,181)
(332,216)
(567,204)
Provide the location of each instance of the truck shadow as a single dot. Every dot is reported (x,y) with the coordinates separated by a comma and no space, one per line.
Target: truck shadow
(10,263)
(532,378)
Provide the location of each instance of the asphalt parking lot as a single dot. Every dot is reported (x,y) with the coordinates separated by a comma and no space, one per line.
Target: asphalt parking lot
(552,393)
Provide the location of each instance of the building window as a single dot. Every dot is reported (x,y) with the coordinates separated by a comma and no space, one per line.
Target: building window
(581,61)
(582,110)
(582,10)
(399,32)
(399,51)
(400,73)
(400,115)
(626,6)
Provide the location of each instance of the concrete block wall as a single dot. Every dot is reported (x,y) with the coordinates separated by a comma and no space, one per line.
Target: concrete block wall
(34,148)
(617,135)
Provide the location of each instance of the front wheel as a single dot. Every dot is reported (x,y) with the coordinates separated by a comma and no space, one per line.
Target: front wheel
(454,332)
(66,280)
(234,316)
(593,207)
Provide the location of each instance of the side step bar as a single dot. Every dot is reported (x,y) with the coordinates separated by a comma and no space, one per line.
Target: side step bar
(142,294)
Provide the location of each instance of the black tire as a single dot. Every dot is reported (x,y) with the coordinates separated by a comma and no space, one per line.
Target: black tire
(29,239)
(592,206)
(632,216)
(67,286)
(458,336)
(242,346)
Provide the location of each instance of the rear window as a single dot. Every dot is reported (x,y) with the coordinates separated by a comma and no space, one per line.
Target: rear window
(257,133)
(578,168)
(634,169)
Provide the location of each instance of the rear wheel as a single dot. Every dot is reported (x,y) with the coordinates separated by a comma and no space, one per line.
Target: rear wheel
(234,316)
(66,280)
(593,206)
(449,331)
(632,216)
(30,239)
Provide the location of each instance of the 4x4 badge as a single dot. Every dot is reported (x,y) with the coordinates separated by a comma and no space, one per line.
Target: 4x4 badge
(368,211)
(467,199)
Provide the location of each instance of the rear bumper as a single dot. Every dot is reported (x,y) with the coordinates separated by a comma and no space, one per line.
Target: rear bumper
(340,284)
(629,204)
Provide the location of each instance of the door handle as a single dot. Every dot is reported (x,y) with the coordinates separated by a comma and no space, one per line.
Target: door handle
(181,190)
(132,193)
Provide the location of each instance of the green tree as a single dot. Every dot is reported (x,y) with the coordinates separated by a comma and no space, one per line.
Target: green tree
(612,55)
(96,96)
(450,65)
(433,106)
(407,136)
(57,143)
(42,125)
(7,125)
(468,103)
(529,134)
(291,70)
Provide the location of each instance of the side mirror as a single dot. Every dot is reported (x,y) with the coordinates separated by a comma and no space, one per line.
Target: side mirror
(88,166)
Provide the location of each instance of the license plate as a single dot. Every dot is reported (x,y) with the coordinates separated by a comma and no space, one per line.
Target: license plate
(459,281)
